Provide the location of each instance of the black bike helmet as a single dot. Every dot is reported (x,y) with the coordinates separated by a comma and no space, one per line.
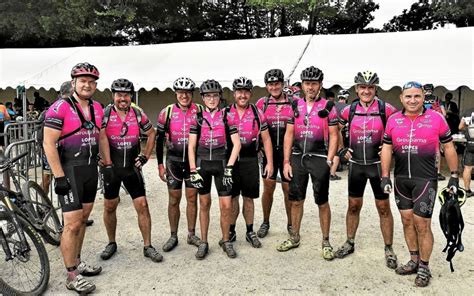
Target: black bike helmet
(428,87)
(366,77)
(210,86)
(274,75)
(242,83)
(122,85)
(84,69)
(446,193)
(312,74)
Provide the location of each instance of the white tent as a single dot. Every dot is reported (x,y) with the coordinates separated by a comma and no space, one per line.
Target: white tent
(150,66)
(442,57)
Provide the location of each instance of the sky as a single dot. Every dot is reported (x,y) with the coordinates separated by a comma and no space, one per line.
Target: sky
(387,10)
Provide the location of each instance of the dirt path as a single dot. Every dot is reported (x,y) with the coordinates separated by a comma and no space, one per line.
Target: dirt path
(264,271)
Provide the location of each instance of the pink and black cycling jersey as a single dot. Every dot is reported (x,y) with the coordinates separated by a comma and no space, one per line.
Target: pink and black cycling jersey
(277,115)
(124,136)
(249,129)
(311,132)
(366,131)
(211,131)
(81,147)
(178,130)
(415,143)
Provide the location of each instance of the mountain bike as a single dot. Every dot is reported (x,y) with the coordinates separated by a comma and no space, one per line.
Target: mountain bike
(24,262)
(32,202)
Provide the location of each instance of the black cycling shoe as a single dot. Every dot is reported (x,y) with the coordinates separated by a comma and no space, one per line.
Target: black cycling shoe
(109,251)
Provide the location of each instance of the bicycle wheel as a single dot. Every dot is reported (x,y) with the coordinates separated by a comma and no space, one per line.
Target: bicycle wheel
(46,215)
(23,270)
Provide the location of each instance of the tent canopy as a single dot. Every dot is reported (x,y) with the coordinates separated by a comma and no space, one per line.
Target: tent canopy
(441,57)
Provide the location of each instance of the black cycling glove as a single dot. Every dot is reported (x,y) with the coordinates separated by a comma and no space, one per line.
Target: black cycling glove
(62,186)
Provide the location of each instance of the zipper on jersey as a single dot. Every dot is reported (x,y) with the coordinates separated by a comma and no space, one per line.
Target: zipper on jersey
(409,149)
(278,129)
(210,146)
(184,136)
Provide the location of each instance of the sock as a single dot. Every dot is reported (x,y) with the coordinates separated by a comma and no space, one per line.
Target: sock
(415,256)
(351,241)
(71,272)
(232,228)
(146,247)
(424,264)
(174,233)
(191,232)
(249,228)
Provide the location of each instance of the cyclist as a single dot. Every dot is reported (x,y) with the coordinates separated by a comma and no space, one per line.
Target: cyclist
(74,124)
(366,118)
(277,108)
(252,125)
(64,92)
(434,102)
(209,156)
(340,104)
(412,135)
(123,162)
(309,148)
(175,121)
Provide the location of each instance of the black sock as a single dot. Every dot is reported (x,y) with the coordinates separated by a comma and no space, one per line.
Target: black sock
(415,256)
(174,233)
(232,228)
(249,228)
(424,263)
(147,247)
(71,269)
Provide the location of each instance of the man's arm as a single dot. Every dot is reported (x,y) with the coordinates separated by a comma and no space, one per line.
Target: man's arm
(104,147)
(386,159)
(50,139)
(267,146)
(150,142)
(333,141)
(451,156)
(235,138)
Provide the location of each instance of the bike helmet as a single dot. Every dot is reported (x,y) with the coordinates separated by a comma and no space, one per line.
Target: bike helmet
(366,77)
(446,193)
(273,75)
(210,86)
(184,83)
(84,69)
(312,74)
(428,87)
(122,85)
(343,93)
(242,83)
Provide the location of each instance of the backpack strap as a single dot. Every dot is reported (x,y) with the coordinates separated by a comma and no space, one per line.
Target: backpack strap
(138,115)
(107,111)
(81,117)
(382,112)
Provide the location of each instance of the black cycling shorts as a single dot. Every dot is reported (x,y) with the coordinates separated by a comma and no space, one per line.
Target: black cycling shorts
(306,166)
(209,168)
(83,180)
(468,158)
(416,194)
(176,173)
(246,179)
(277,165)
(357,179)
(132,179)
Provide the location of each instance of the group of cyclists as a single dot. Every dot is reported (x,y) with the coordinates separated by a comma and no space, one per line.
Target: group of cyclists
(291,132)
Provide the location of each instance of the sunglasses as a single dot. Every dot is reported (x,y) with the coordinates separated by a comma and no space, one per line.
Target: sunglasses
(124,130)
(412,84)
